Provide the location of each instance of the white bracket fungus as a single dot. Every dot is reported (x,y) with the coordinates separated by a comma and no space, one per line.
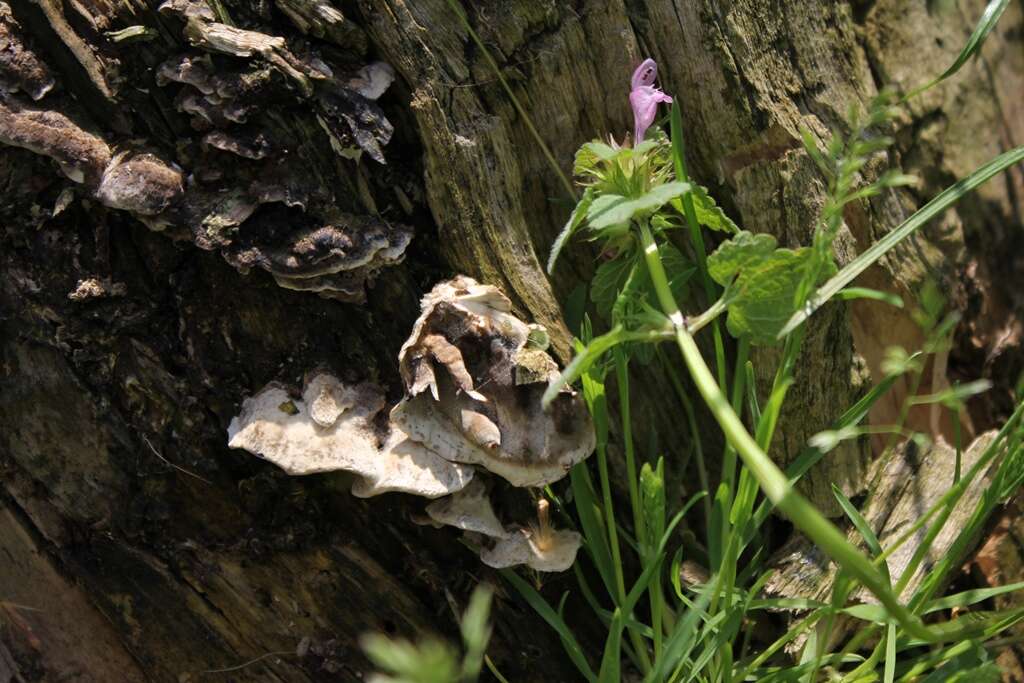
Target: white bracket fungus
(470,510)
(332,428)
(474,376)
(539,546)
(554,552)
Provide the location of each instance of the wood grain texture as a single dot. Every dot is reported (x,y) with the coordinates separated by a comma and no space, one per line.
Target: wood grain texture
(113,458)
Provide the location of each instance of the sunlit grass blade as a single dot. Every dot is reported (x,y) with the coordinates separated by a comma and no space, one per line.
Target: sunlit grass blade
(589,513)
(940,203)
(989,18)
(851,293)
(683,637)
(610,662)
(862,526)
(983,624)
(593,352)
(890,654)
(970,597)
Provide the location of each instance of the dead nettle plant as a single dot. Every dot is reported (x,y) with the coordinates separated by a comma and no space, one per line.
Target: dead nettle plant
(471,428)
(673,623)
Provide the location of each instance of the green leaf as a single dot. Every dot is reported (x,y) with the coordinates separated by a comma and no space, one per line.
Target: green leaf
(637,297)
(981,624)
(609,280)
(475,631)
(589,512)
(708,212)
(683,636)
(851,293)
(762,281)
(612,209)
(862,526)
(575,220)
(430,661)
(744,251)
(873,613)
(940,203)
(652,498)
(890,654)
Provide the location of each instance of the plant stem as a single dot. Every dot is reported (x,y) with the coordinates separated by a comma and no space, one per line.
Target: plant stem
(772,480)
(679,162)
(622,381)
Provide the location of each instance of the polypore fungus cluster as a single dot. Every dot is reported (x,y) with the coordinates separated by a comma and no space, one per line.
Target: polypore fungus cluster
(474,375)
(251,128)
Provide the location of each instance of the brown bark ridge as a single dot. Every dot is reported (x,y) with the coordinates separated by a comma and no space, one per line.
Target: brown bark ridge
(170,174)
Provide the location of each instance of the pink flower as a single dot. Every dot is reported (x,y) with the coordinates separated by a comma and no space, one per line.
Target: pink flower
(644,97)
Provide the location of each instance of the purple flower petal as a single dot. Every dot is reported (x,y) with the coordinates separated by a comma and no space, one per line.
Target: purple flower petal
(644,74)
(644,100)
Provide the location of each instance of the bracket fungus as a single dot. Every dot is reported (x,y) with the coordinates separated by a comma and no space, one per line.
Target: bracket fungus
(20,68)
(333,428)
(474,376)
(258,177)
(470,510)
(537,545)
(553,551)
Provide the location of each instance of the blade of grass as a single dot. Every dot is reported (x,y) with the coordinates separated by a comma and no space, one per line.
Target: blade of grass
(890,654)
(457,8)
(541,606)
(682,639)
(988,21)
(862,526)
(593,351)
(940,203)
(679,162)
(969,597)
(589,513)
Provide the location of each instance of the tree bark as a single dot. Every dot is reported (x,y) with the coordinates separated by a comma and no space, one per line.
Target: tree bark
(135,316)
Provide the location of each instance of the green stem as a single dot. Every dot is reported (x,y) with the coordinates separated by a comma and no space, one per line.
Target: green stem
(696,237)
(613,541)
(622,380)
(772,480)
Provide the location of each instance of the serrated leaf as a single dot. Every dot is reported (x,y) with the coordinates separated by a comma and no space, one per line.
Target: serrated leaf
(763,281)
(637,293)
(612,209)
(574,222)
(590,154)
(709,214)
(738,254)
(610,279)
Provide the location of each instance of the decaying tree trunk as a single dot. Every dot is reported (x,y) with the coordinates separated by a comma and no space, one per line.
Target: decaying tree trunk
(170,173)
